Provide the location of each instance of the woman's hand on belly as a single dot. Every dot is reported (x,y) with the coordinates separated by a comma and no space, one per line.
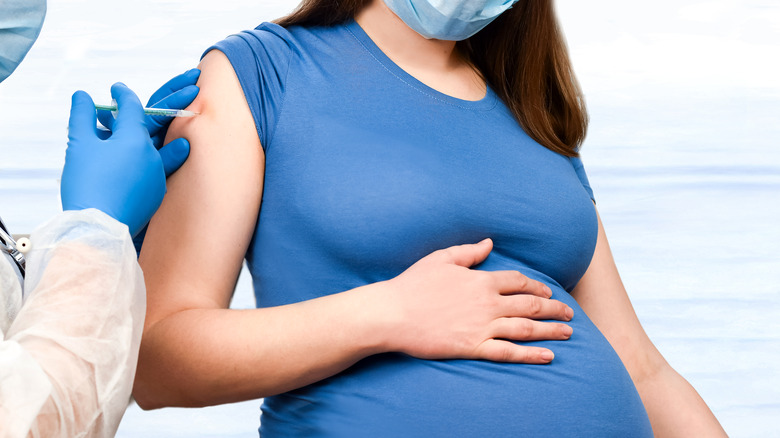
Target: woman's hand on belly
(442,309)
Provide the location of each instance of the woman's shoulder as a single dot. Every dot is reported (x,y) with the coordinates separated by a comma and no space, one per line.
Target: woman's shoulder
(272,33)
(271,37)
(267,38)
(260,58)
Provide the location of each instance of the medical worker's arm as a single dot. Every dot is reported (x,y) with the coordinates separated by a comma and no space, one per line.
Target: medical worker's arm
(196,351)
(673,405)
(68,358)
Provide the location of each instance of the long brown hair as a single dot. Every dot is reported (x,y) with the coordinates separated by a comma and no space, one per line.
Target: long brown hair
(522,55)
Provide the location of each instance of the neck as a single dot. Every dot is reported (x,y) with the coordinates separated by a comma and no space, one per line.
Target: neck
(398,40)
(435,63)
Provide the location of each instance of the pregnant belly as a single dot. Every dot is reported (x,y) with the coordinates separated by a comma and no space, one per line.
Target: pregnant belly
(585,391)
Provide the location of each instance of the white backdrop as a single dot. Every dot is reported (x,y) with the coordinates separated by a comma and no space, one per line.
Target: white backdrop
(682,153)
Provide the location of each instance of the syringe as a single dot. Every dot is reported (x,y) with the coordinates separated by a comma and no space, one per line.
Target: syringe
(153,111)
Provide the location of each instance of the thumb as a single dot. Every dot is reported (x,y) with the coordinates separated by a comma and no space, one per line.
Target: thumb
(81,124)
(468,255)
(130,113)
(174,154)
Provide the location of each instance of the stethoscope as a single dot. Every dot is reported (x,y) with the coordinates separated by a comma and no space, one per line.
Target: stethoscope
(15,249)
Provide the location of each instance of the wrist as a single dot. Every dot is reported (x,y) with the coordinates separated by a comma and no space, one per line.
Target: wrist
(375,321)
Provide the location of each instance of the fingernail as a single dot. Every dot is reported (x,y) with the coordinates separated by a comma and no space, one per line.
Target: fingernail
(567,331)
(548,290)
(547,355)
(569,312)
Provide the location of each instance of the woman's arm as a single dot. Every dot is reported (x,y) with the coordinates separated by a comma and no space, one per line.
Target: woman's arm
(195,351)
(674,407)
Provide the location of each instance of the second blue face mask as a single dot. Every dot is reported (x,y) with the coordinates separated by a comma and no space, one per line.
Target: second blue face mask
(453,20)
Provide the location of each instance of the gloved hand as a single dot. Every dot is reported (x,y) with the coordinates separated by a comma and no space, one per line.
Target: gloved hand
(122,175)
(177,93)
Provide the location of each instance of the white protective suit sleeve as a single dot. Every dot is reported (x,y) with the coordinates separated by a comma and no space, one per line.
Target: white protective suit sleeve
(68,359)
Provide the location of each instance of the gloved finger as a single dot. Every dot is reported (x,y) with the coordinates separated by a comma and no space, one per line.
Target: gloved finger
(190,77)
(130,113)
(159,138)
(83,121)
(106,119)
(174,154)
(177,100)
(103,134)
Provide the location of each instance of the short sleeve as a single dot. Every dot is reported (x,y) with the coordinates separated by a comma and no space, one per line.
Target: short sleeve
(580,170)
(261,59)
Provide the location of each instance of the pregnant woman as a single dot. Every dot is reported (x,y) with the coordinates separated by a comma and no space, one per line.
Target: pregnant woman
(337,148)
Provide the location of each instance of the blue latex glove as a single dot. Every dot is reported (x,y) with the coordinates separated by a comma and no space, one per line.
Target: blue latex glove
(177,93)
(122,175)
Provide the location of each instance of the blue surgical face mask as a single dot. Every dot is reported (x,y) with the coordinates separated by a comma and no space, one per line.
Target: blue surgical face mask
(20,24)
(453,20)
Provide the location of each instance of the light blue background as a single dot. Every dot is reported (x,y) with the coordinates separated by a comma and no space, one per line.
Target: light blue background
(682,153)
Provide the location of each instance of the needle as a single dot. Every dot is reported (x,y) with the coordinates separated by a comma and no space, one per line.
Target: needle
(154,111)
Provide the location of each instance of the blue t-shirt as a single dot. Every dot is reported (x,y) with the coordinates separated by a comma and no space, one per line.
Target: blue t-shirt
(367,171)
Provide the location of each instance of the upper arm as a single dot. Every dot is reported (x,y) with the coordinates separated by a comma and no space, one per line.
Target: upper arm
(196,242)
(603,297)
